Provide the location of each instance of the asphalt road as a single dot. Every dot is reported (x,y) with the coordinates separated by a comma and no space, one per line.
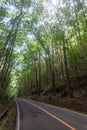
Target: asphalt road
(33,115)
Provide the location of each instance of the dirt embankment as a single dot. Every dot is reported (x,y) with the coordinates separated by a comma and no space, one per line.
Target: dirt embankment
(8,120)
(78,104)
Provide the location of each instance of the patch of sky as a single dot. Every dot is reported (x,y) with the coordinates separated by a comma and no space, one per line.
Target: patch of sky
(30,36)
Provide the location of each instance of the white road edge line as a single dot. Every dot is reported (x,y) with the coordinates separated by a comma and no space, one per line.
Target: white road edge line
(18,117)
(58,119)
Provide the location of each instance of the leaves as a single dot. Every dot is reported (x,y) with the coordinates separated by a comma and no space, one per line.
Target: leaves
(2,12)
(36,40)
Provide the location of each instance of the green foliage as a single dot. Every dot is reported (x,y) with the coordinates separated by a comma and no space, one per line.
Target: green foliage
(2,12)
(40,46)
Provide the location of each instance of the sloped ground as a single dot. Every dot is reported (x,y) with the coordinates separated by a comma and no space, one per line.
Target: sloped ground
(9,120)
(76,104)
(3,106)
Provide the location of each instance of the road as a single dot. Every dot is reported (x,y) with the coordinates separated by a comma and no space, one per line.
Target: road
(33,115)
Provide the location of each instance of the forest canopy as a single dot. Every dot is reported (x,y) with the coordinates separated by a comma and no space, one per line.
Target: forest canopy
(43,46)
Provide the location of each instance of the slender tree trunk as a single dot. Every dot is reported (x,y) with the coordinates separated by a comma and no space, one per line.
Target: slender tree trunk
(36,85)
(52,76)
(39,84)
(47,70)
(66,69)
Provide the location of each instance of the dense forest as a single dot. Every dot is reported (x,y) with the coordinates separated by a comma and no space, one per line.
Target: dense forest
(43,47)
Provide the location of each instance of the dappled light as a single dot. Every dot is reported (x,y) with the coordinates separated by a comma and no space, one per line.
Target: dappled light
(43,51)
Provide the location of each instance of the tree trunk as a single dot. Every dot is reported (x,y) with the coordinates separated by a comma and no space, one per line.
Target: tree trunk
(66,70)
(39,84)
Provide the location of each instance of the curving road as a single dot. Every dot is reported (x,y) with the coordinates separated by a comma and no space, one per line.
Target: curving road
(33,115)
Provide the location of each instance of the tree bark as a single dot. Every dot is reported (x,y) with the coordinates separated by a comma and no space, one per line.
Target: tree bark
(66,69)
